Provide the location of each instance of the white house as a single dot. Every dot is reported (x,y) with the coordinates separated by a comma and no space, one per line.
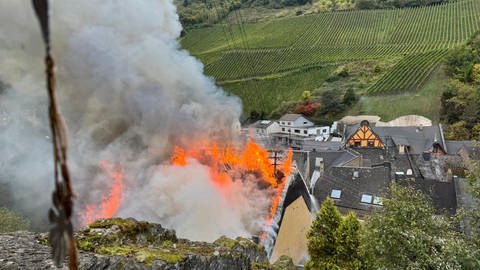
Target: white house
(294,120)
(298,125)
(264,128)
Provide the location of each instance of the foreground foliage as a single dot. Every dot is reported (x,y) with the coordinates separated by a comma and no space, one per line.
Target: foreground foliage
(333,241)
(405,233)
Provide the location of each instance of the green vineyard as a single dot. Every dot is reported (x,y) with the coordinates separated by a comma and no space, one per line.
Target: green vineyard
(409,73)
(420,37)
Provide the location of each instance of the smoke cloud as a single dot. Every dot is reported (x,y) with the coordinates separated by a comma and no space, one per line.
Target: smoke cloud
(129,93)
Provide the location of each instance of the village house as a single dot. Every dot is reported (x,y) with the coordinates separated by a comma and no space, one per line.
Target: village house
(357,172)
(357,175)
(264,128)
(299,125)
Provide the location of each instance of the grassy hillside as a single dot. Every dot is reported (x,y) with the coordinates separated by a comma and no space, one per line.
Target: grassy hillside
(417,38)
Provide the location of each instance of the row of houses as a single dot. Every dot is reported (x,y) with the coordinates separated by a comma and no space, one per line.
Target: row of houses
(294,127)
(357,170)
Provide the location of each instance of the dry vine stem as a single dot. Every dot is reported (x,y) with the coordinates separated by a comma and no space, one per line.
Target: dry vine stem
(61,235)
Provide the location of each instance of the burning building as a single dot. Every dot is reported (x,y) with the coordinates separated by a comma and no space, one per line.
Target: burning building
(150,136)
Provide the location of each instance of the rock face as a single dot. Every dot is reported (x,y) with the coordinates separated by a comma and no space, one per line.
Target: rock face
(130,244)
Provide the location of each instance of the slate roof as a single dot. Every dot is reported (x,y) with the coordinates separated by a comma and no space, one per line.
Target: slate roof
(290,117)
(331,158)
(455,146)
(322,146)
(419,139)
(442,194)
(473,152)
(398,140)
(296,189)
(371,181)
(262,124)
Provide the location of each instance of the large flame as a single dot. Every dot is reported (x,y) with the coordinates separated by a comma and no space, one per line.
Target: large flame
(251,158)
(225,162)
(110,204)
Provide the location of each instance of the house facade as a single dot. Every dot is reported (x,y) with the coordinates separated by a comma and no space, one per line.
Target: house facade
(298,126)
(264,128)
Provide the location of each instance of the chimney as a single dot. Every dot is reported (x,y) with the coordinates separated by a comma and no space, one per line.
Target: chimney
(319,166)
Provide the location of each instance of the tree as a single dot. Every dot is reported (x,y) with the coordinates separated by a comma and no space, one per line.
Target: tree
(331,103)
(458,131)
(321,237)
(406,234)
(306,96)
(347,239)
(476,132)
(476,73)
(349,97)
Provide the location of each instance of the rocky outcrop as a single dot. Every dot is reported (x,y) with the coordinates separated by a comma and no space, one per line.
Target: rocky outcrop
(131,244)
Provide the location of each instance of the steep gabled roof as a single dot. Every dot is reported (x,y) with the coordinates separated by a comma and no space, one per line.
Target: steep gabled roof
(372,181)
(455,146)
(296,189)
(442,194)
(331,158)
(291,117)
(363,135)
(419,139)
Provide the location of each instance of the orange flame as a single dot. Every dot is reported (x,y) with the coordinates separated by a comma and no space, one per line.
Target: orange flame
(251,158)
(287,168)
(109,206)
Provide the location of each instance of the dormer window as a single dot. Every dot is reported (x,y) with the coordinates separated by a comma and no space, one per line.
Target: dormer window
(378,200)
(366,198)
(336,194)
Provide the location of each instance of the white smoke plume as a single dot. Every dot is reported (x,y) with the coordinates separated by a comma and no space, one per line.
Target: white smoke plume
(128,93)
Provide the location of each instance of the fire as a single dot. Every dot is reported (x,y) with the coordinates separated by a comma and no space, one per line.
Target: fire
(278,192)
(110,204)
(251,158)
(225,164)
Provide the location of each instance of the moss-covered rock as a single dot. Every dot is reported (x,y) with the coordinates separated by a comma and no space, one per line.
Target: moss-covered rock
(152,245)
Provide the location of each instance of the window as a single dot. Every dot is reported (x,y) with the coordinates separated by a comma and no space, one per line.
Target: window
(366,198)
(324,130)
(336,194)
(288,130)
(288,123)
(305,123)
(357,144)
(304,132)
(283,129)
(297,130)
(355,174)
(371,143)
(378,200)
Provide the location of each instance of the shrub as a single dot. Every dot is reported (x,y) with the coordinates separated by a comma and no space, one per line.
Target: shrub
(10,221)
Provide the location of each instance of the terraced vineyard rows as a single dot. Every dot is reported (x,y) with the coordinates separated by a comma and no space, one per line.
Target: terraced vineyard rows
(409,74)
(251,50)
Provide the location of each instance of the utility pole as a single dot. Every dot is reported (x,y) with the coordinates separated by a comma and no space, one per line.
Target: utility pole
(278,174)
